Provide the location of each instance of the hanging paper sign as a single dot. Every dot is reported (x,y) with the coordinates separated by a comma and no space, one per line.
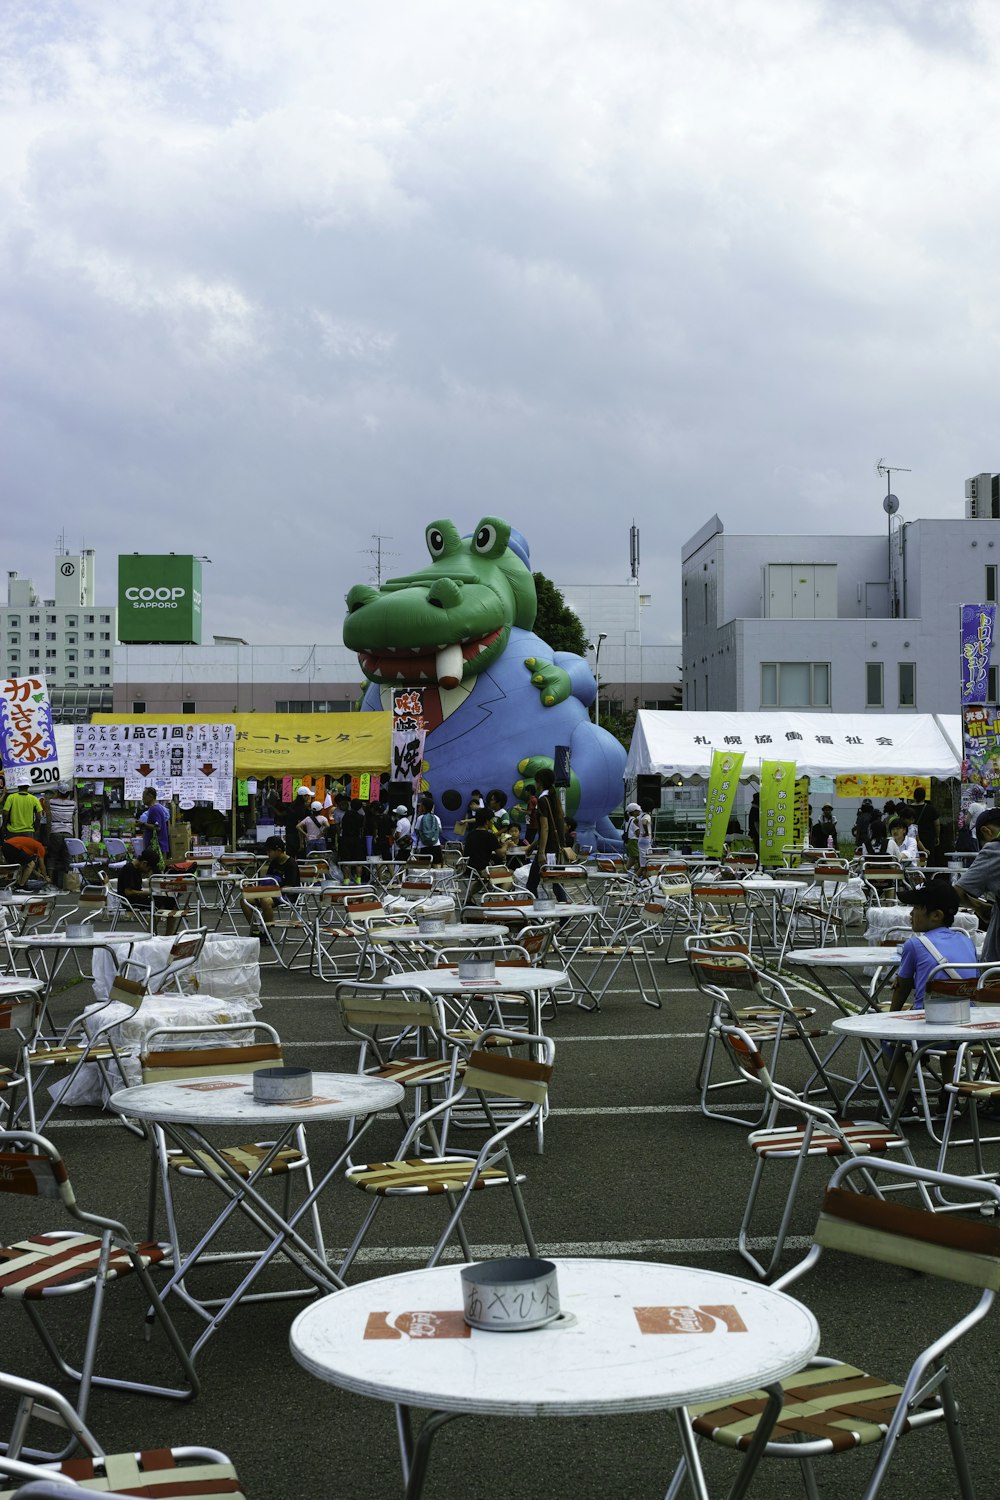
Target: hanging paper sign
(242,793)
(364,786)
(190,760)
(287,788)
(881,786)
(27,738)
(723,780)
(978,625)
(375,789)
(777,809)
(409,731)
(800,830)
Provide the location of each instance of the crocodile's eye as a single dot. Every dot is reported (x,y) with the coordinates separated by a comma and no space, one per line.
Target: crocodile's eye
(490,537)
(435,542)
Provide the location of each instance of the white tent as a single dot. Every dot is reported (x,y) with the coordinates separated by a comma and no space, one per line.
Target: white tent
(681,744)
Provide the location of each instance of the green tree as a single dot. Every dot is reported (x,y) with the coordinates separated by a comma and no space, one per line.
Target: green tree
(555,622)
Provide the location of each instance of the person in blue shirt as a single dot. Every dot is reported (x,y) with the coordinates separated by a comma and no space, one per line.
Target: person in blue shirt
(934,942)
(155,828)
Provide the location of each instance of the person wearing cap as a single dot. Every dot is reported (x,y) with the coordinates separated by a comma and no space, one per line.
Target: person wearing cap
(824,830)
(402,833)
(312,829)
(982,879)
(638,832)
(290,815)
(60,821)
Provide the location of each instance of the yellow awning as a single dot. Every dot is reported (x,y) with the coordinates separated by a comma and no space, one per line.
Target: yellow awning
(293,744)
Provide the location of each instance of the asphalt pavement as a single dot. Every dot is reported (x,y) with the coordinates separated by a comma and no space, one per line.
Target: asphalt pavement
(631,1168)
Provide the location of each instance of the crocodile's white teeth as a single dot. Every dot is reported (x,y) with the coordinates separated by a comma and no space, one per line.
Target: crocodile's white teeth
(449,666)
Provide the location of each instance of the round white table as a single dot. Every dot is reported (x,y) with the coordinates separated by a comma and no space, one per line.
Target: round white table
(185,1108)
(851,962)
(508,979)
(910,1026)
(452,932)
(632,1336)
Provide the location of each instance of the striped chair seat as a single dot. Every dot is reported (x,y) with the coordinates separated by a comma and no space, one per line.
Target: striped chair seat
(242,1159)
(156,1473)
(969,1088)
(50,1057)
(612,950)
(8,1077)
(34,1266)
(413,1072)
(864,1135)
(836,1403)
(472,1036)
(765,1031)
(767,1012)
(424,1174)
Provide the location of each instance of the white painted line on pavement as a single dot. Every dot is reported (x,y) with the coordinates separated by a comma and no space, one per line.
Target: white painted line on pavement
(633,1249)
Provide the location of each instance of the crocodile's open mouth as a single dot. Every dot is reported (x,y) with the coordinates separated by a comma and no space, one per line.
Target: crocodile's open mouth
(444,665)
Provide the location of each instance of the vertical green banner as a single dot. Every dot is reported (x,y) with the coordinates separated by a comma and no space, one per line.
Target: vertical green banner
(800,833)
(722,783)
(777,809)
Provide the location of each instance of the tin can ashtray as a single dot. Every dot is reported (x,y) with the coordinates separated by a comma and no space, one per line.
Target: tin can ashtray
(282,1085)
(77,930)
(947,1010)
(544,903)
(510,1296)
(430,924)
(476,968)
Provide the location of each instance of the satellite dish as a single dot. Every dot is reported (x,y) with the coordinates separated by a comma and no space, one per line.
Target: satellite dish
(890,505)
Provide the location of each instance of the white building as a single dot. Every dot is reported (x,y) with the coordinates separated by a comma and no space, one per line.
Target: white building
(232,676)
(69,639)
(631,674)
(840,623)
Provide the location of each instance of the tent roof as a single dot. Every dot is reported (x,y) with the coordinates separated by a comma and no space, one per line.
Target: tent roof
(681,744)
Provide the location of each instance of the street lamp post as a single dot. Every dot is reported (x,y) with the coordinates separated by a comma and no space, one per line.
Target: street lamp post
(597,676)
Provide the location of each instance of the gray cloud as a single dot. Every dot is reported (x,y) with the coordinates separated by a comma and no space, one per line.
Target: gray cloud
(275,277)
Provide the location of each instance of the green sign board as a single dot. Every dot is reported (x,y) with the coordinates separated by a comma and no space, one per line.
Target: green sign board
(159,598)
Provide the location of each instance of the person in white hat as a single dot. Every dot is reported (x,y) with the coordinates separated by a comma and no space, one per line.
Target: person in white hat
(312,829)
(402,833)
(638,832)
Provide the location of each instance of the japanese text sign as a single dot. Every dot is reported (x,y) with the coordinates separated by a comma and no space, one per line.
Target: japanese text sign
(27,738)
(723,780)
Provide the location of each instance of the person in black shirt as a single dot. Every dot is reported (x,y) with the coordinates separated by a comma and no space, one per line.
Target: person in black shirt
(352,852)
(928,828)
(284,871)
(482,847)
(130,886)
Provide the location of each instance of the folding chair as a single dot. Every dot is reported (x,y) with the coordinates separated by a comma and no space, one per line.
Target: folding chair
(168,1473)
(60,1263)
(831,1407)
(820,1134)
(722,906)
(637,944)
(722,967)
(80,1045)
(522,1087)
(403,1036)
(332,927)
(185,951)
(196,1052)
(286,927)
(883,877)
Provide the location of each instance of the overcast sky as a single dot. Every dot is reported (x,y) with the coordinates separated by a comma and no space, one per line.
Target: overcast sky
(276,275)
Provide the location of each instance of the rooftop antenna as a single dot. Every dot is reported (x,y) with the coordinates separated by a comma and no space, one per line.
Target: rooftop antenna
(633,550)
(61,543)
(890,505)
(377,553)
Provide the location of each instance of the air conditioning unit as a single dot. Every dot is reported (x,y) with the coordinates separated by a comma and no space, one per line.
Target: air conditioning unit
(982,498)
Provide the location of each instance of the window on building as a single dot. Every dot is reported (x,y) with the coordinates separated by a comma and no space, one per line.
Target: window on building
(88,671)
(71,656)
(88,635)
(658,703)
(105,671)
(105,653)
(13,640)
(88,619)
(907,684)
(16,656)
(105,619)
(50,619)
(189,706)
(105,635)
(705,586)
(71,640)
(139,706)
(88,653)
(50,635)
(874,686)
(71,622)
(795,684)
(991,583)
(685,612)
(50,654)
(992,684)
(32,635)
(32,619)
(71,674)
(14,622)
